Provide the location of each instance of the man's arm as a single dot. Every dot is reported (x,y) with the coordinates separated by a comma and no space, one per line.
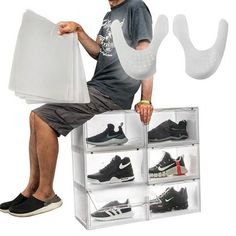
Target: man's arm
(144,107)
(91,46)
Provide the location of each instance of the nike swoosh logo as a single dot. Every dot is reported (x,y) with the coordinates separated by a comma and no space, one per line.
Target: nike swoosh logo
(167,200)
(121,166)
(112,136)
(166,167)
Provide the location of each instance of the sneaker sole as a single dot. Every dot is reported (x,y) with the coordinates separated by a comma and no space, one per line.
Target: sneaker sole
(4,211)
(171,138)
(113,180)
(126,215)
(109,142)
(183,206)
(169,172)
(45,209)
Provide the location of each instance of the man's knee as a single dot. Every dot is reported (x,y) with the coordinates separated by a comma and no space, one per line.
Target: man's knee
(31,118)
(35,120)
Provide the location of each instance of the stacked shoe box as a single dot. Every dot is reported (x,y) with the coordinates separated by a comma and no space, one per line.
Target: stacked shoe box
(125,171)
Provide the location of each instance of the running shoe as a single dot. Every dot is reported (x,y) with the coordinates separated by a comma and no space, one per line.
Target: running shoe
(117,171)
(168,130)
(170,200)
(109,137)
(168,166)
(113,211)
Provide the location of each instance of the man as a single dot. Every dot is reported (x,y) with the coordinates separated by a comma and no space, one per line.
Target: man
(109,89)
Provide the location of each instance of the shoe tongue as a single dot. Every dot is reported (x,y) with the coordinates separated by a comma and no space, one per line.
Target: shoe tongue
(182,124)
(109,168)
(110,127)
(167,156)
(116,158)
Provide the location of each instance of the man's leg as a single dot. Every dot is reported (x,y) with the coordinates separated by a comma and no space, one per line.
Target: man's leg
(44,146)
(34,164)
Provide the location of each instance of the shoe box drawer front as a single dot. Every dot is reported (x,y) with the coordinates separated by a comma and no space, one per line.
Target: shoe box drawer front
(174,198)
(77,138)
(117,205)
(81,204)
(116,168)
(173,127)
(79,165)
(117,129)
(173,163)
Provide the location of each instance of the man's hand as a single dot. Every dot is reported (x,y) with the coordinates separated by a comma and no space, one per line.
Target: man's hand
(145,112)
(67,27)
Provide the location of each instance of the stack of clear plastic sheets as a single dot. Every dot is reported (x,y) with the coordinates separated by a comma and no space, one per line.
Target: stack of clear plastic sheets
(47,67)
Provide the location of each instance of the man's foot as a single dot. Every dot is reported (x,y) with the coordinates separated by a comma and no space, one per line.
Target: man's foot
(4,207)
(34,206)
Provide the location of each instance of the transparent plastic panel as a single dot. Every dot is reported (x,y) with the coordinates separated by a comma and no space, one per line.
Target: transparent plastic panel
(123,176)
(77,137)
(131,126)
(175,135)
(192,123)
(45,65)
(183,166)
(127,204)
(79,166)
(81,204)
(186,201)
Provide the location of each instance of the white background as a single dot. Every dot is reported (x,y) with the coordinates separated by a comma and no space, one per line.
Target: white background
(173,88)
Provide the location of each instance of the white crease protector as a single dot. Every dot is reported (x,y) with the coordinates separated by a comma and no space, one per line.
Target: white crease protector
(200,64)
(47,67)
(139,64)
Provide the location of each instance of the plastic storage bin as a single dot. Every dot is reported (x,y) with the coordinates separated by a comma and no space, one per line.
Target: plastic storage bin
(135,198)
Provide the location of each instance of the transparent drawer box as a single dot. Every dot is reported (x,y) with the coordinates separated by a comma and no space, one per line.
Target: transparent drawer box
(173,205)
(125,202)
(186,168)
(190,115)
(91,163)
(96,212)
(98,161)
(131,125)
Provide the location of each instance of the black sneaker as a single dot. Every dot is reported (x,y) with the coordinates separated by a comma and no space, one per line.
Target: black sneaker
(4,207)
(117,171)
(113,211)
(33,206)
(168,130)
(169,200)
(168,166)
(108,137)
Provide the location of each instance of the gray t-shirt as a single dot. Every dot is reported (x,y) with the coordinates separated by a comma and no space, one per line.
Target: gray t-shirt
(109,77)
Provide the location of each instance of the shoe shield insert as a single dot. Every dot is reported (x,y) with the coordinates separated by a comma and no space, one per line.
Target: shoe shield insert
(139,64)
(200,64)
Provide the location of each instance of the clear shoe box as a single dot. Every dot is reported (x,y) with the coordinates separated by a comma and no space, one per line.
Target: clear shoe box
(88,159)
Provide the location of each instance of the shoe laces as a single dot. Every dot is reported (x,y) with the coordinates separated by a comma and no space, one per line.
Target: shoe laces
(164,193)
(163,162)
(107,167)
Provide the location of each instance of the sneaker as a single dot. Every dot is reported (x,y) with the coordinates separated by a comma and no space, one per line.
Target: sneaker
(168,166)
(33,206)
(4,207)
(117,171)
(113,211)
(168,130)
(108,137)
(169,200)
